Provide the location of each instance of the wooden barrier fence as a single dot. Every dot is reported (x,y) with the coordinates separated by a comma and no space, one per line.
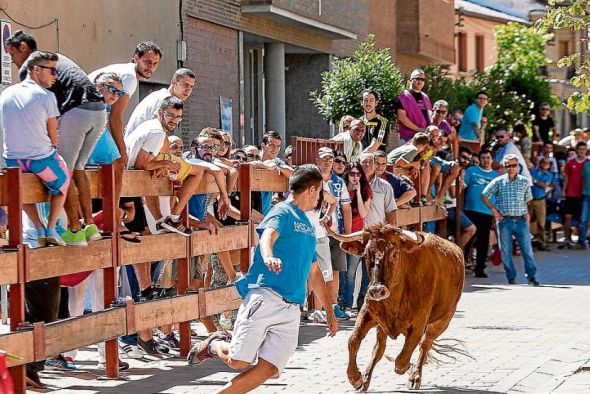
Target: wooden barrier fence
(19,265)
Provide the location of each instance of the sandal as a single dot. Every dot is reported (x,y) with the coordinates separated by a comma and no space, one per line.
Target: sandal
(130,236)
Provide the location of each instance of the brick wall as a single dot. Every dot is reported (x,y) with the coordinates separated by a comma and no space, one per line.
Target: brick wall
(212,53)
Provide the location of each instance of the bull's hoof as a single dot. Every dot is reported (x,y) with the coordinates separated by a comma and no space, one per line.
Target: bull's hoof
(355,379)
(377,292)
(366,383)
(402,369)
(415,379)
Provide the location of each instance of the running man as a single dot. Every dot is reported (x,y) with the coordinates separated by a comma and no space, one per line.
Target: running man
(267,325)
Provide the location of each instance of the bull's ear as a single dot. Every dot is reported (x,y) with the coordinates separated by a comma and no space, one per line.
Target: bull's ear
(408,241)
(356,248)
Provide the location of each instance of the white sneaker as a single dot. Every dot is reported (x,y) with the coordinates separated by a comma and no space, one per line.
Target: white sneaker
(319,317)
(131,351)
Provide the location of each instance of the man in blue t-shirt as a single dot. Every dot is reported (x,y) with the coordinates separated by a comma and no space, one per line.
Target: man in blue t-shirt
(267,325)
(542,180)
(476,179)
(471,124)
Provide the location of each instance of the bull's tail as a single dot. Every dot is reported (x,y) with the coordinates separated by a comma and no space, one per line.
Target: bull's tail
(447,349)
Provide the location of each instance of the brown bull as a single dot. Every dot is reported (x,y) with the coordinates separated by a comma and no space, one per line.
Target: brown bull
(416,282)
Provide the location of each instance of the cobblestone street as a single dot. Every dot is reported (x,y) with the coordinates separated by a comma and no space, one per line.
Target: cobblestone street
(521,338)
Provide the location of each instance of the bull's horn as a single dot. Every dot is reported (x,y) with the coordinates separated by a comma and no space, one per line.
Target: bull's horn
(357,236)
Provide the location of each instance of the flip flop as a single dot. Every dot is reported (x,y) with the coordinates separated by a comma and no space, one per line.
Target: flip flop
(130,236)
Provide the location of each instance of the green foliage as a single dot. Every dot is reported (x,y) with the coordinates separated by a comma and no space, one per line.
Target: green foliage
(368,68)
(570,15)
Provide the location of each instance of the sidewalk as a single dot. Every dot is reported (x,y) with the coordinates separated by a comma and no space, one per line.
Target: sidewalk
(522,339)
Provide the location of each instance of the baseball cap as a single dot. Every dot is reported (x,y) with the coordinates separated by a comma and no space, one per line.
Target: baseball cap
(325,151)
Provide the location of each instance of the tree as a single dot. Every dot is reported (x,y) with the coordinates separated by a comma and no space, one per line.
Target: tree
(571,15)
(368,68)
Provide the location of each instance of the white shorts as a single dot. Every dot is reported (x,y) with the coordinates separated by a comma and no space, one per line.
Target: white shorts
(324,258)
(266,327)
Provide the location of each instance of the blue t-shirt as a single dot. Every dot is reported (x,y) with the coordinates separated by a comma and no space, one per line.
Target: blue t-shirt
(265,202)
(476,179)
(586,179)
(295,246)
(541,176)
(472,115)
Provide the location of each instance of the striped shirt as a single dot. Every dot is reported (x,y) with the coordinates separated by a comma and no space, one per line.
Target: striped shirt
(511,196)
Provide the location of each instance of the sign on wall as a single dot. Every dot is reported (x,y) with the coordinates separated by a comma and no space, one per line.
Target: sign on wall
(6,68)
(225,112)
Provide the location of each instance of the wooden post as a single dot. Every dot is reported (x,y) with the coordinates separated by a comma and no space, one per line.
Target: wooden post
(184,328)
(109,207)
(245,212)
(13,190)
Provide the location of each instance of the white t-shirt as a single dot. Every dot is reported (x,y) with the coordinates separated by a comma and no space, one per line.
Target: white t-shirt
(314,217)
(125,71)
(149,136)
(24,111)
(146,109)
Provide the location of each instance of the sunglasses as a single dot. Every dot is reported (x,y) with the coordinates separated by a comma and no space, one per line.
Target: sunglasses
(214,148)
(441,111)
(339,161)
(419,79)
(113,90)
(465,158)
(511,166)
(241,158)
(227,143)
(53,70)
(355,174)
(251,155)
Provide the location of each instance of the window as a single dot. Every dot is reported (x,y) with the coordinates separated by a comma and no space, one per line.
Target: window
(479,53)
(462,51)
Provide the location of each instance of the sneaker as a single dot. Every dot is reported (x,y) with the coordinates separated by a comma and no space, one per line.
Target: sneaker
(41,237)
(151,347)
(340,314)
(175,226)
(72,238)
(533,282)
(480,274)
(201,352)
(225,323)
(511,281)
(319,317)
(351,312)
(130,351)
(122,365)
(564,245)
(171,341)
(91,232)
(53,238)
(60,363)
(579,246)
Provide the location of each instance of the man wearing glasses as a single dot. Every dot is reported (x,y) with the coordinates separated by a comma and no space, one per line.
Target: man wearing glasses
(413,107)
(82,117)
(471,128)
(181,87)
(439,115)
(507,147)
(543,125)
(512,193)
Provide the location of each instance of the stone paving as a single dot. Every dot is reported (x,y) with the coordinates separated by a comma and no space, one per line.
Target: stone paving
(521,338)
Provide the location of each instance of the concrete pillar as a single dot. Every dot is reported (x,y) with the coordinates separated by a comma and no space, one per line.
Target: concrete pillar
(274,75)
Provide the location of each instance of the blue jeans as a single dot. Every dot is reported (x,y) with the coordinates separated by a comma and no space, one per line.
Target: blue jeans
(520,229)
(350,279)
(584,219)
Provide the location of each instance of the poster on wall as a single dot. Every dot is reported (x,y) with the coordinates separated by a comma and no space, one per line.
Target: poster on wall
(225,111)
(6,60)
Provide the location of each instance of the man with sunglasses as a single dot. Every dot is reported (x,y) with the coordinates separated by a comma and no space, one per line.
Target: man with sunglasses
(82,119)
(181,87)
(543,124)
(471,123)
(413,107)
(511,194)
(507,147)
(439,115)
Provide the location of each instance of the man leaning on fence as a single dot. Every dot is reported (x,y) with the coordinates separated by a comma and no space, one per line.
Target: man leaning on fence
(267,325)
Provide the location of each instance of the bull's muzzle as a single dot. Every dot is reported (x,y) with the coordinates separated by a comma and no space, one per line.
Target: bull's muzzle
(377,291)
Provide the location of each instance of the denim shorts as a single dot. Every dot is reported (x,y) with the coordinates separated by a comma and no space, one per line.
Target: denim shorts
(52,170)
(105,151)
(445,165)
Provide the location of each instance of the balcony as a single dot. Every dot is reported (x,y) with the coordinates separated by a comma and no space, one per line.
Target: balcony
(304,14)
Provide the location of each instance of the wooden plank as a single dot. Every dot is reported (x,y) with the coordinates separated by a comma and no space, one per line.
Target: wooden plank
(8,268)
(141,183)
(221,300)
(152,248)
(60,260)
(227,238)
(165,311)
(270,181)
(73,333)
(405,217)
(19,344)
